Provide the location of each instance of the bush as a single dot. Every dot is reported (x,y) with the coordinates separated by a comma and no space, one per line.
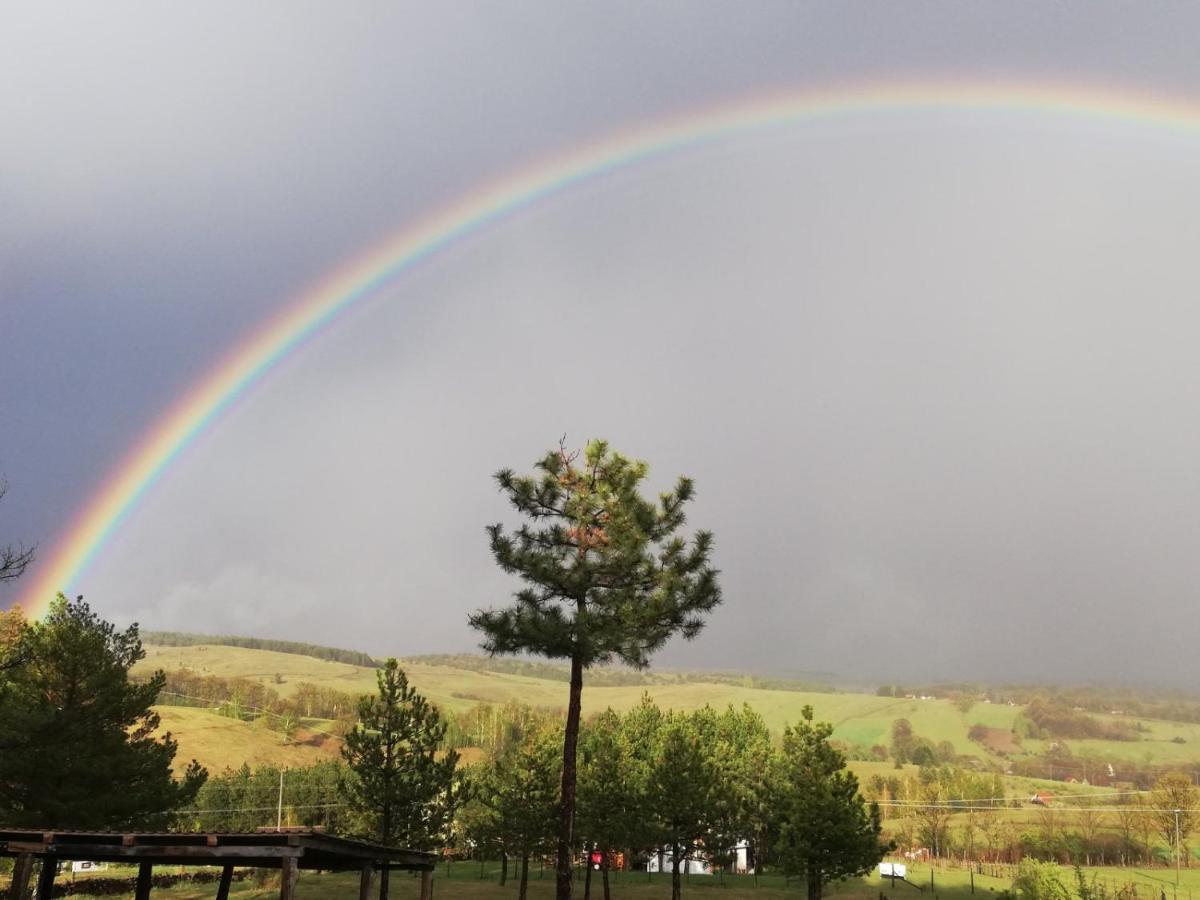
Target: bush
(1039,881)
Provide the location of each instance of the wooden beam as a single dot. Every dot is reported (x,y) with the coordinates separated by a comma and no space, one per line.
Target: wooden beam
(22,868)
(45,883)
(427,885)
(364,881)
(226,880)
(169,853)
(287,879)
(145,879)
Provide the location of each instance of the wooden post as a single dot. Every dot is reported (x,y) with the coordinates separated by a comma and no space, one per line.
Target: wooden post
(22,869)
(145,873)
(226,880)
(364,881)
(384,874)
(287,878)
(45,883)
(427,884)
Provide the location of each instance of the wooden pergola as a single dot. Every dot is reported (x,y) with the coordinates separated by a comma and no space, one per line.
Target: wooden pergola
(288,850)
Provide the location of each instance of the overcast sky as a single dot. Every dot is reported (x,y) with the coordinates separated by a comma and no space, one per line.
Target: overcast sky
(934,375)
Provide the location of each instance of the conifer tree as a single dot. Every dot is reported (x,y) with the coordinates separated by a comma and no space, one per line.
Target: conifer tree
(524,784)
(397,781)
(607,577)
(827,830)
(77,737)
(685,787)
(606,803)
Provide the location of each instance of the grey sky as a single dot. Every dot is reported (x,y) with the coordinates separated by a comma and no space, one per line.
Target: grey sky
(932,373)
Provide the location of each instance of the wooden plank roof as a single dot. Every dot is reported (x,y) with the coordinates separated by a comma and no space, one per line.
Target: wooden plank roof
(310,849)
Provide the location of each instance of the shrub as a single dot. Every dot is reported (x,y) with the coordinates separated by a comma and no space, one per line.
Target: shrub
(1039,881)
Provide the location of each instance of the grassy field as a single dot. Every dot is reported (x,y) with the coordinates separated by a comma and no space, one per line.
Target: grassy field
(220,742)
(859,718)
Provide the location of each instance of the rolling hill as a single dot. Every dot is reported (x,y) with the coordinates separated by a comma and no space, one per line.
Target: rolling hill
(860,719)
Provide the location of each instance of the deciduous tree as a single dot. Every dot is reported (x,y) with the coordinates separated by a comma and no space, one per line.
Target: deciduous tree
(1174,800)
(14,558)
(607,577)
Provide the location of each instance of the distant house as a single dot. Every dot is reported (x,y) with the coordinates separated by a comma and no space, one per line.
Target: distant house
(1041,798)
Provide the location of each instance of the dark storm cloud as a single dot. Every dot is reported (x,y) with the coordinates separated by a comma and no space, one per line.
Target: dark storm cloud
(933,381)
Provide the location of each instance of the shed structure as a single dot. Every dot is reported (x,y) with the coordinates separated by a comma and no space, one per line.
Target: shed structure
(288,850)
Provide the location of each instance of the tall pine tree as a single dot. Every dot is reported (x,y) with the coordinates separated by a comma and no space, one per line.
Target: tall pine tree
(607,577)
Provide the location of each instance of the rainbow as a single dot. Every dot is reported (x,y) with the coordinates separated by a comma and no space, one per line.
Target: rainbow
(241,368)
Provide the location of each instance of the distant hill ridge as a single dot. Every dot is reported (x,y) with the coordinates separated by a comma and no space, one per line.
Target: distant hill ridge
(297,648)
(607,676)
(548,671)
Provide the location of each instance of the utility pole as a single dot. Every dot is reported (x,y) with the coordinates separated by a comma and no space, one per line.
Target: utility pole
(1177,850)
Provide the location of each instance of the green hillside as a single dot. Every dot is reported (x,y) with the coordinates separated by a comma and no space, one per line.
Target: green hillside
(859,718)
(863,720)
(219,742)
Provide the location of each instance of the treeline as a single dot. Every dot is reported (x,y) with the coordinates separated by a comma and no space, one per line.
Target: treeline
(657,788)
(297,648)
(244,799)
(1043,718)
(954,813)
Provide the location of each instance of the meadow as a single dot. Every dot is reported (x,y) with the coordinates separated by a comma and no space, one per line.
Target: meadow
(862,719)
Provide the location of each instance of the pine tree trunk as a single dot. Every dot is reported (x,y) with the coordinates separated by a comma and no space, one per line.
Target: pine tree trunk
(814,886)
(604,872)
(676,887)
(383,883)
(503,867)
(521,894)
(566,819)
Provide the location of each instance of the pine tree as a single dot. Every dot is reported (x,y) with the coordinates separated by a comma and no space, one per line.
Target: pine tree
(77,737)
(605,802)
(744,758)
(827,831)
(524,782)
(685,787)
(607,578)
(397,782)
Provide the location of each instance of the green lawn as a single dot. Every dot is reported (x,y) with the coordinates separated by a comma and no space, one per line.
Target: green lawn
(470,881)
